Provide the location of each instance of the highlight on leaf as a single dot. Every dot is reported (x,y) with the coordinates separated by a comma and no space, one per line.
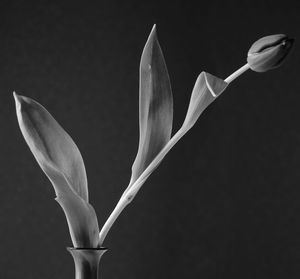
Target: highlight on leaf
(155,105)
(61,161)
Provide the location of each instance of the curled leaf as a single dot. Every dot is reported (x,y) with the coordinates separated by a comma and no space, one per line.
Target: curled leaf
(61,161)
(156,105)
(206,89)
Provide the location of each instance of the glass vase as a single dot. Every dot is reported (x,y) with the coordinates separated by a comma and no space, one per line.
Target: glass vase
(86,261)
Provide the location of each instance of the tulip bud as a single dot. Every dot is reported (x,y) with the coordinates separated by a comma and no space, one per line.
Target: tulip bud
(269,52)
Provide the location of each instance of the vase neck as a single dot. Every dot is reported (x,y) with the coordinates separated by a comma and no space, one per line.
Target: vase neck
(86,262)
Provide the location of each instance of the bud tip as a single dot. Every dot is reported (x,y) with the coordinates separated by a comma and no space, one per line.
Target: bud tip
(269,52)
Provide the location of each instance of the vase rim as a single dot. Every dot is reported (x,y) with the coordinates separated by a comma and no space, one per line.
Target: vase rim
(91,249)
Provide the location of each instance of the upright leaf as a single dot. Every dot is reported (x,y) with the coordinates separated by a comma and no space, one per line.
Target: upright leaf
(50,144)
(61,161)
(156,105)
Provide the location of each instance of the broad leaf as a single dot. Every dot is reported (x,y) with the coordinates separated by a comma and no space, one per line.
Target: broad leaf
(156,105)
(50,144)
(61,161)
(82,221)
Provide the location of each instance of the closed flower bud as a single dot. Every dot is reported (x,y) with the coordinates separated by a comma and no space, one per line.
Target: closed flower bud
(269,52)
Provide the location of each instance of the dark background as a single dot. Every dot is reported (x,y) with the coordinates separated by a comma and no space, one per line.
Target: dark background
(225,202)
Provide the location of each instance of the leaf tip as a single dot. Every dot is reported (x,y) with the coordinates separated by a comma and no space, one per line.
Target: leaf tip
(153,28)
(17,98)
(151,43)
(153,34)
(18,102)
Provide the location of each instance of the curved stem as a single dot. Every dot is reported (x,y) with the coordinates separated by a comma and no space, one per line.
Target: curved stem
(112,218)
(129,194)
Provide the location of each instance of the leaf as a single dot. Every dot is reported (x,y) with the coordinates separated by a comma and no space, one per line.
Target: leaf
(207,88)
(82,221)
(61,161)
(156,105)
(50,144)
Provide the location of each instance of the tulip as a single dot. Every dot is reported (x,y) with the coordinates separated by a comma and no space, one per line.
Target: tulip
(265,54)
(60,158)
(269,52)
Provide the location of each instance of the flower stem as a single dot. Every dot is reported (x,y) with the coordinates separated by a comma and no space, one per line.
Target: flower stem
(237,73)
(129,194)
(112,218)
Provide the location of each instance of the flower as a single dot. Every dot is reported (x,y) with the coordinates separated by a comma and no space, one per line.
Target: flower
(269,52)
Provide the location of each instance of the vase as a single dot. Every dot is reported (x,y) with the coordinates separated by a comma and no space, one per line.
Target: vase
(86,261)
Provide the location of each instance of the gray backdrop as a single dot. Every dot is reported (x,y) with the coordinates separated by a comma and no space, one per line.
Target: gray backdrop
(225,203)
